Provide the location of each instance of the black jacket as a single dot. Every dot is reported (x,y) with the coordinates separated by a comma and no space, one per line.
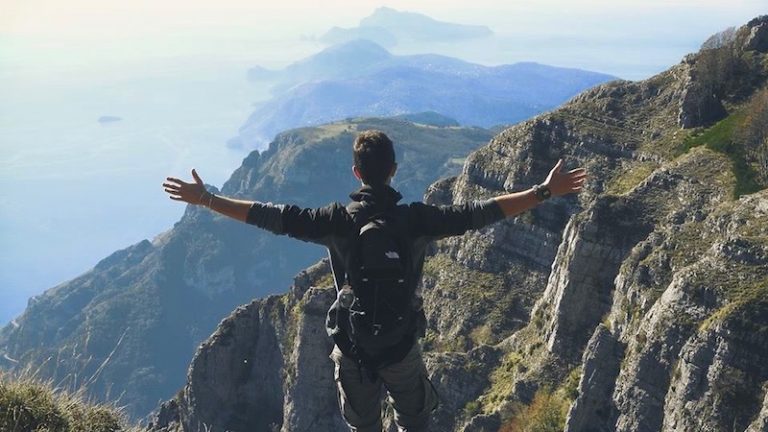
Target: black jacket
(333,225)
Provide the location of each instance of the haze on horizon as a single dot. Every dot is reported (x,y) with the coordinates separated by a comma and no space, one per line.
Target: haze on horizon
(93,34)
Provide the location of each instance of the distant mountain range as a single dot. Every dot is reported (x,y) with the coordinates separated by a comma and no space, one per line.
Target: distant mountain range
(361,78)
(388,27)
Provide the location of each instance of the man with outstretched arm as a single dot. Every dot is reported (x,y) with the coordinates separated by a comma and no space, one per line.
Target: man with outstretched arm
(399,366)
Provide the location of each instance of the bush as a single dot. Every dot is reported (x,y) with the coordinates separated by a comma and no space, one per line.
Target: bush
(546,413)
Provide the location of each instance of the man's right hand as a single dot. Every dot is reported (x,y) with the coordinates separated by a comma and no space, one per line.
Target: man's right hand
(193,193)
(562,183)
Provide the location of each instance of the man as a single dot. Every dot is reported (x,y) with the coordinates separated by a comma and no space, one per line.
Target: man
(360,373)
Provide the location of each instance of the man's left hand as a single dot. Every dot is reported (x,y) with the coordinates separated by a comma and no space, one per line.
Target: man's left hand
(562,183)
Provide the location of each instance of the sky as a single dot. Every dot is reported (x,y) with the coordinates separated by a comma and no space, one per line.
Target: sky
(69,34)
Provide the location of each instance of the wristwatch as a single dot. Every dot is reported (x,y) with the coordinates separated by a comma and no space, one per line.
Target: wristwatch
(542,192)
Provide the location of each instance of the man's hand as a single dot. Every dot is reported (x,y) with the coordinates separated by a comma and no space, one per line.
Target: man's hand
(561,183)
(193,193)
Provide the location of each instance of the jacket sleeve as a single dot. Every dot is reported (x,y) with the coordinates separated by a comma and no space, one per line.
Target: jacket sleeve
(451,220)
(316,225)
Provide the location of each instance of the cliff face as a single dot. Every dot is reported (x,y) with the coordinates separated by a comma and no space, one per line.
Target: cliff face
(128,328)
(638,305)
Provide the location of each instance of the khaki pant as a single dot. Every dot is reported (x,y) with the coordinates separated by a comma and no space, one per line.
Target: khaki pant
(410,393)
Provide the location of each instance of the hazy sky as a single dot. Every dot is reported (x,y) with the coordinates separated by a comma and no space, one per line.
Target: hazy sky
(75,32)
(105,18)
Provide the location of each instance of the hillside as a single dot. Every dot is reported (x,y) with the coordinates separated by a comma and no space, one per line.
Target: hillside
(640,305)
(127,329)
(360,78)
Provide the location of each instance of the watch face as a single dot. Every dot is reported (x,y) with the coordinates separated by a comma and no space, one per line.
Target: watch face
(543,192)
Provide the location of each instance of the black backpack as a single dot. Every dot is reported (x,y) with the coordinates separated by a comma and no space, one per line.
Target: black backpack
(376,308)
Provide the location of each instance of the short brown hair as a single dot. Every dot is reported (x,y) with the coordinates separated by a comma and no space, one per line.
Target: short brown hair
(374,156)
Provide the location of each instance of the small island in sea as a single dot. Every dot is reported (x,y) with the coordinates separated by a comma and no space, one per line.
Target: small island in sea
(109,119)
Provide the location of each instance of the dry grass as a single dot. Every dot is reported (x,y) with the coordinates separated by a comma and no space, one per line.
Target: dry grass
(30,405)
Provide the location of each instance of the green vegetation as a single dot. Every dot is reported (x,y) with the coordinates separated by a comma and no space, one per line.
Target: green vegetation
(325,281)
(738,297)
(626,181)
(571,384)
(482,335)
(722,137)
(472,408)
(502,381)
(486,294)
(30,406)
(546,413)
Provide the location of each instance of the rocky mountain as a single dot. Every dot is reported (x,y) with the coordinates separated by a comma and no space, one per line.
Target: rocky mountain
(362,78)
(639,305)
(388,27)
(128,328)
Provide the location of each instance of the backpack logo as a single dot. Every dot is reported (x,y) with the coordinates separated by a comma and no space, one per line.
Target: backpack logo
(392,255)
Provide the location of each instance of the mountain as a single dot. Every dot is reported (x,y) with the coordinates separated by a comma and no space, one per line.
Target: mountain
(362,78)
(388,27)
(127,329)
(639,305)
(344,60)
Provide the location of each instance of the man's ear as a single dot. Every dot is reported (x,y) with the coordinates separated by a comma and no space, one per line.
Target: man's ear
(356,172)
(394,170)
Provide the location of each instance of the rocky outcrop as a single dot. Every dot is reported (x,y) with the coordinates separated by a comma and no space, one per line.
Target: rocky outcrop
(266,368)
(591,411)
(712,73)
(757,37)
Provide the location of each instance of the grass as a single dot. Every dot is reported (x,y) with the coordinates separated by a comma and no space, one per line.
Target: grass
(720,137)
(28,405)
(502,382)
(626,181)
(738,298)
(484,294)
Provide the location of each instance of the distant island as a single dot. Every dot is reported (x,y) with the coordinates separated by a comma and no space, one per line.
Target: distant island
(388,27)
(109,119)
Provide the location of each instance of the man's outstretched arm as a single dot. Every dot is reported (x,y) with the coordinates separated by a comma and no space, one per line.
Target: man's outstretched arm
(559,183)
(307,224)
(450,220)
(195,193)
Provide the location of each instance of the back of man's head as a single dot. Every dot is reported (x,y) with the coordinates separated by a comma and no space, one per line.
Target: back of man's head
(374,157)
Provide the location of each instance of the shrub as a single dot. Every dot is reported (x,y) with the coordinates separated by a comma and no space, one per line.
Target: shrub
(546,413)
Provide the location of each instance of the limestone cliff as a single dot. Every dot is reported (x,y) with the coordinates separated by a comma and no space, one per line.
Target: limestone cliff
(639,305)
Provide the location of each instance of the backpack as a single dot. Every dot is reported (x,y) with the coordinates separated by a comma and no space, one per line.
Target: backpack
(376,307)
